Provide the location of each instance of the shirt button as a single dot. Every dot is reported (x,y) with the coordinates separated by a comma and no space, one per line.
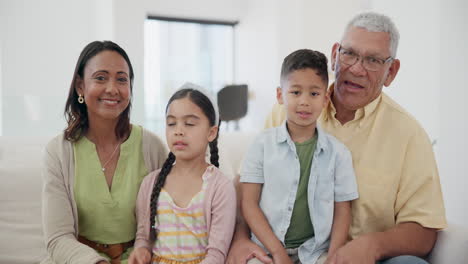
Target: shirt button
(290,208)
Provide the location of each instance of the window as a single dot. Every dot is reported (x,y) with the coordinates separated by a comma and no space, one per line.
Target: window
(179,51)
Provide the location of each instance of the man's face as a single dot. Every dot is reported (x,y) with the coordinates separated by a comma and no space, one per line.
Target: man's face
(356,86)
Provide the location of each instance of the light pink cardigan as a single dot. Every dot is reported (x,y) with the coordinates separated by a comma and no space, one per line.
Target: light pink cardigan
(219,208)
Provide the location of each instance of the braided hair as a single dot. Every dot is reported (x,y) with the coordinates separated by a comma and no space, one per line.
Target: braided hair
(207,107)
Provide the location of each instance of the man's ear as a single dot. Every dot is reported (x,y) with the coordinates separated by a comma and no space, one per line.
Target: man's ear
(212,133)
(333,57)
(327,99)
(279,95)
(392,72)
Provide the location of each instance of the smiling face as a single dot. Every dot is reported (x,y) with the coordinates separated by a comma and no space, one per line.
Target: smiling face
(188,130)
(105,86)
(304,94)
(355,87)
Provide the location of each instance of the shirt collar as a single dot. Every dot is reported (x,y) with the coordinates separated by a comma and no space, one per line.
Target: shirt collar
(283,136)
(361,114)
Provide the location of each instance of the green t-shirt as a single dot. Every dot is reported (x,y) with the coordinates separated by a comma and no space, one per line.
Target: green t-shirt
(301,228)
(108,216)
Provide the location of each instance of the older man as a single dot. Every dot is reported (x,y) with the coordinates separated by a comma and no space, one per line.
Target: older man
(400,208)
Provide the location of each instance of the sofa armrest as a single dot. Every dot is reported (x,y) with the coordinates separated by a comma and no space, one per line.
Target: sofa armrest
(451,246)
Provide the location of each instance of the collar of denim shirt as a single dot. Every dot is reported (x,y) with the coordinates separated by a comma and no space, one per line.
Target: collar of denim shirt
(283,135)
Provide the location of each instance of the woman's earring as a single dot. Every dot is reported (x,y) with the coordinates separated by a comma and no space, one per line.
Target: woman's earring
(80,99)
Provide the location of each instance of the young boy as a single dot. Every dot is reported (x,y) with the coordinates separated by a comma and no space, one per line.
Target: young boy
(298,181)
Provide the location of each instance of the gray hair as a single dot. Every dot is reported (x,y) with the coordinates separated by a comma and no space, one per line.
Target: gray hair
(376,22)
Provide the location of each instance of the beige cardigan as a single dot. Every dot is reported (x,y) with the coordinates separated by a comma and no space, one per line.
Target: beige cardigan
(59,212)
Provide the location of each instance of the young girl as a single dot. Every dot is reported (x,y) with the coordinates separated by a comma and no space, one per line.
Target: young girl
(186,211)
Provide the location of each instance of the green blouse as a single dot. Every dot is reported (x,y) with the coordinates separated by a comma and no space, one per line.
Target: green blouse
(108,216)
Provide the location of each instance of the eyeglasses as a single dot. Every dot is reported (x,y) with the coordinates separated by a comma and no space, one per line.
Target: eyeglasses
(370,63)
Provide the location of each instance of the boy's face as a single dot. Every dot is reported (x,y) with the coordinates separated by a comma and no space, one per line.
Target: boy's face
(304,95)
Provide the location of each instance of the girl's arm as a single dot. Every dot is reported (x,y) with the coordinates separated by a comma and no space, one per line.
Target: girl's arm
(142,212)
(340,227)
(223,221)
(142,247)
(258,223)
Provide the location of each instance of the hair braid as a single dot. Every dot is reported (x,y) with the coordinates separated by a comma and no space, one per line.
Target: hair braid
(158,184)
(214,157)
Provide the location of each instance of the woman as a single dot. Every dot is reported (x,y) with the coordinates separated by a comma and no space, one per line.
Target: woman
(94,169)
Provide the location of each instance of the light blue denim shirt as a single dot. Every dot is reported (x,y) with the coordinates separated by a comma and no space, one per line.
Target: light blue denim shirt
(272,160)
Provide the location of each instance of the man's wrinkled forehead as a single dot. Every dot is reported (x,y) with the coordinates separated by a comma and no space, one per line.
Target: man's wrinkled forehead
(365,42)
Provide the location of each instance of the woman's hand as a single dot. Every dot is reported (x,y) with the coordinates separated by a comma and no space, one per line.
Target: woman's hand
(140,256)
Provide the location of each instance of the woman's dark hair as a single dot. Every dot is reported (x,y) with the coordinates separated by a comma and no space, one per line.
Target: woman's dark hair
(76,114)
(205,104)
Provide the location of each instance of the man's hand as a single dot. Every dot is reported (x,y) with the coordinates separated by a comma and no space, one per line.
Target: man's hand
(361,250)
(243,250)
(140,256)
(282,258)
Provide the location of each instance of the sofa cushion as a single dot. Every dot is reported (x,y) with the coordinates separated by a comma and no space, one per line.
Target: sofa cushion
(451,245)
(232,148)
(20,200)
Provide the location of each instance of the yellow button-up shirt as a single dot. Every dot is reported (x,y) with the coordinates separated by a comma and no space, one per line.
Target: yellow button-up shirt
(394,164)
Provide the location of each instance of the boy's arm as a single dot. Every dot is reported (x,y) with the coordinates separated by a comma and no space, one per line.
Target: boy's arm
(340,227)
(345,192)
(257,221)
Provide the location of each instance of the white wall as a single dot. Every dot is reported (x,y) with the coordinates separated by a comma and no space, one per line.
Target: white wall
(267,32)
(1,82)
(432,85)
(257,58)
(416,86)
(270,30)
(453,143)
(129,17)
(41,41)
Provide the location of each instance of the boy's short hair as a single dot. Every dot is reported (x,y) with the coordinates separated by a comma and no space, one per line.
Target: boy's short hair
(305,59)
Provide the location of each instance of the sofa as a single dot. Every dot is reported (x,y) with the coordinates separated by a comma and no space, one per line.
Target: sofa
(20,200)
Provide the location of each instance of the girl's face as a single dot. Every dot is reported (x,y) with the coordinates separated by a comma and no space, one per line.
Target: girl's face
(188,130)
(105,85)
